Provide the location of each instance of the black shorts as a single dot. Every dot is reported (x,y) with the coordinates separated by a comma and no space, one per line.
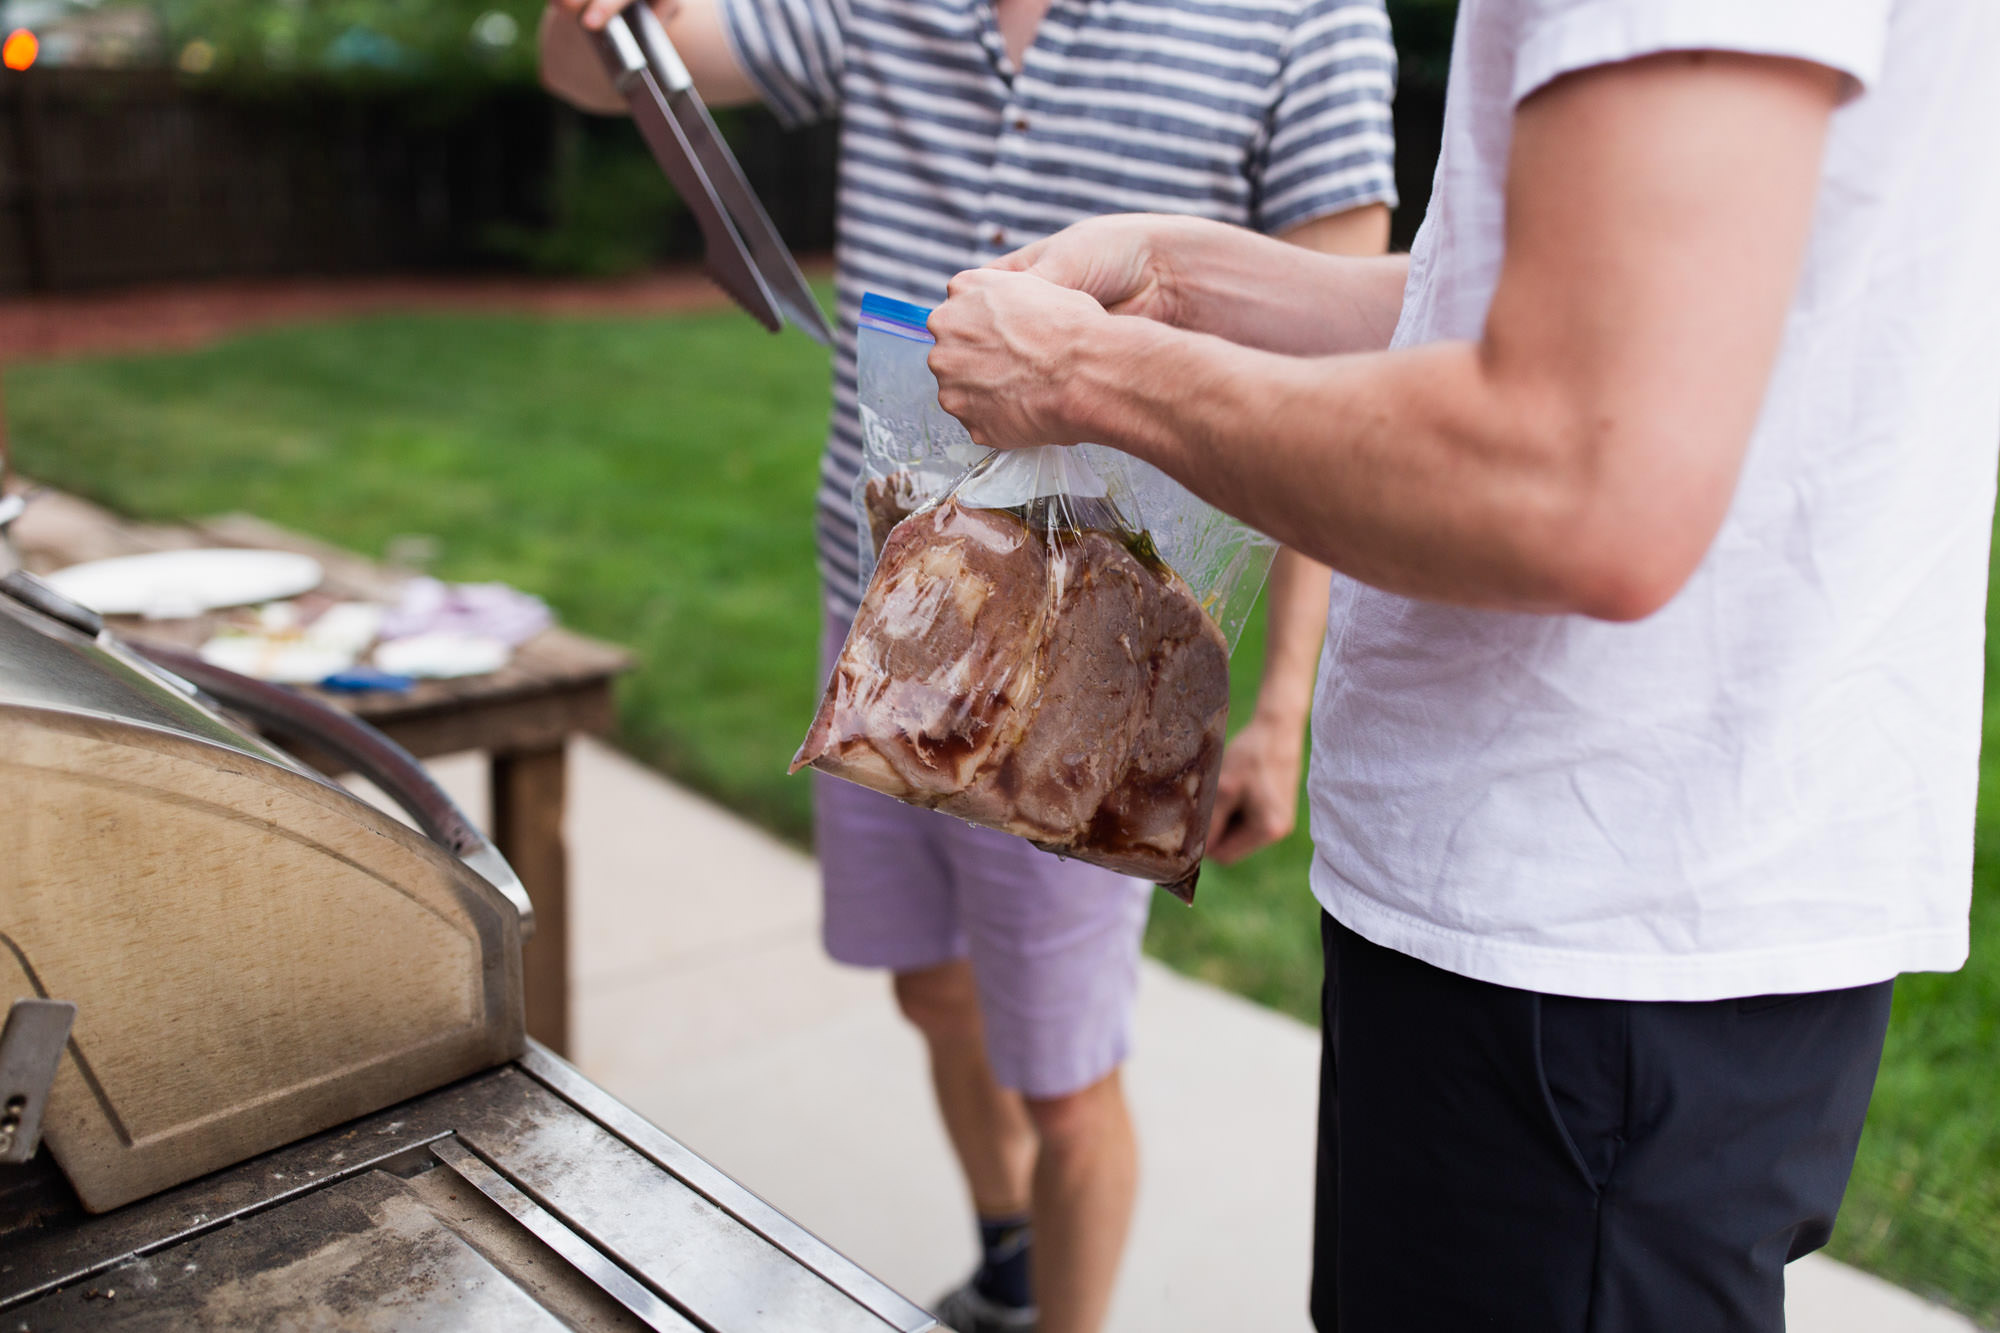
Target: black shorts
(1496,1159)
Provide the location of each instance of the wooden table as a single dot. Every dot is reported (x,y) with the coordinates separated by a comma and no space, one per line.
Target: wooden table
(557,684)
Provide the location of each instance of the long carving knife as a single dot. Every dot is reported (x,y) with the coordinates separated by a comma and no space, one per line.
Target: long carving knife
(742,249)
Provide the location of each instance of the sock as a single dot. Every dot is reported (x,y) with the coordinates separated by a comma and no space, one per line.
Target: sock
(1003,1265)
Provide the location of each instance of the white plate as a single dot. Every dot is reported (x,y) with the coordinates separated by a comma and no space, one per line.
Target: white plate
(442,654)
(167,584)
(293,662)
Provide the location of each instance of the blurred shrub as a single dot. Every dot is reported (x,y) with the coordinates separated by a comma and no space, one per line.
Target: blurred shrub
(610,212)
(587,199)
(482,41)
(472,42)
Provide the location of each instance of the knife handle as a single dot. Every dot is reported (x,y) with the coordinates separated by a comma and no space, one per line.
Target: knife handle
(668,67)
(624,58)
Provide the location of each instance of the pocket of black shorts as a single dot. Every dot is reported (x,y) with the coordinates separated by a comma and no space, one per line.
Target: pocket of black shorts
(1583,1052)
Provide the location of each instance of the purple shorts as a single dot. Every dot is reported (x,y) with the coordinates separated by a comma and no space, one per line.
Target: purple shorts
(1054,944)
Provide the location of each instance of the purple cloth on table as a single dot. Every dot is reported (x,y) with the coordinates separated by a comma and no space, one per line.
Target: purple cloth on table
(489,610)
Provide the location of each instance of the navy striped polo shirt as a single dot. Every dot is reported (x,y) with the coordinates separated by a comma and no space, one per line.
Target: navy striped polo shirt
(1263,113)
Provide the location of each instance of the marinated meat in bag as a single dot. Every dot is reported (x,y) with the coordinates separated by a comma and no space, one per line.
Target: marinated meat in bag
(888,501)
(1038,670)
(1043,644)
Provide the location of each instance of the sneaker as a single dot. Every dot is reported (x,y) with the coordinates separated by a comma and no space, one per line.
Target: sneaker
(966,1311)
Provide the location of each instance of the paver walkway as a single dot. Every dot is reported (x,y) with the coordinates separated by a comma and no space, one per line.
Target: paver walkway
(704,1001)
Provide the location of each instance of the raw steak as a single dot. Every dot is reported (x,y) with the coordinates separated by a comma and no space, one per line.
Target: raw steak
(889,500)
(1035,677)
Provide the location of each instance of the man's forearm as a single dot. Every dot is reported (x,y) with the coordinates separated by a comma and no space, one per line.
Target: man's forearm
(1210,277)
(1258,291)
(1414,470)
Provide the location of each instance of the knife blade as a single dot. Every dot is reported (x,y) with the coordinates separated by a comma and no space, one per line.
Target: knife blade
(768,253)
(741,248)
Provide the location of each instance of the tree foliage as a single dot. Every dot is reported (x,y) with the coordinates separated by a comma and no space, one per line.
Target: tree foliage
(475,42)
(433,41)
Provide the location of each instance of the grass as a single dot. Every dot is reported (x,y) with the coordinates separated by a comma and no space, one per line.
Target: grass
(653,479)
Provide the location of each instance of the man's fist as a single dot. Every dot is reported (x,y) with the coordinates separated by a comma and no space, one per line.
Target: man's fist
(594,14)
(1004,353)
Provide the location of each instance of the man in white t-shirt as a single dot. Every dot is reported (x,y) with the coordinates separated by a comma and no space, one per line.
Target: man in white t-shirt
(1647,728)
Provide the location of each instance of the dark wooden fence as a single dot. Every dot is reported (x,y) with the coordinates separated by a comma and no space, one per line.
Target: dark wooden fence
(110,178)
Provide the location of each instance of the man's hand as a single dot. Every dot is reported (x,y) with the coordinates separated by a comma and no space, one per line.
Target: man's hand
(571,67)
(1005,341)
(1121,260)
(573,70)
(1257,796)
(594,14)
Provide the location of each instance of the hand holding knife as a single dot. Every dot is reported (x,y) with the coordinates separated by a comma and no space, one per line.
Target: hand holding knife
(743,251)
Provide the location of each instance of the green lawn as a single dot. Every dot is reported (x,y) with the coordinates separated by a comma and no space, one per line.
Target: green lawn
(653,479)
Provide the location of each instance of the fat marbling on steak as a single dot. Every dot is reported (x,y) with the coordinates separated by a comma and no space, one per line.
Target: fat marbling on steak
(1035,677)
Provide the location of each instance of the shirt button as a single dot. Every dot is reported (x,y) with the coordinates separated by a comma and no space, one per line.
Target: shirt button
(997,236)
(1020,122)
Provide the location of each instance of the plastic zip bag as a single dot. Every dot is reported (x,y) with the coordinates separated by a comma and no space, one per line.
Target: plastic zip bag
(1043,645)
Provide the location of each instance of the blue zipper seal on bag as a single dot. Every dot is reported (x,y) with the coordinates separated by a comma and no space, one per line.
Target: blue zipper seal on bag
(899,319)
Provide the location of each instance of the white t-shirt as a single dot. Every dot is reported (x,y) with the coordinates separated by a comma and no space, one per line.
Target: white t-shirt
(1768,786)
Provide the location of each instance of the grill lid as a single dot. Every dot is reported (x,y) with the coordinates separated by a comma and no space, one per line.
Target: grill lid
(254,953)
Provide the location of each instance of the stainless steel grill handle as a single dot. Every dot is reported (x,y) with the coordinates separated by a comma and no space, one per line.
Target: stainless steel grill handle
(292,716)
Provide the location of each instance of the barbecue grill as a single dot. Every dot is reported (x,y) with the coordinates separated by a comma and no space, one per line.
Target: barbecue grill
(264,1063)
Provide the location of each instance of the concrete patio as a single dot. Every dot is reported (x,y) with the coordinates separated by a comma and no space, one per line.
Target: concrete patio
(703,1000)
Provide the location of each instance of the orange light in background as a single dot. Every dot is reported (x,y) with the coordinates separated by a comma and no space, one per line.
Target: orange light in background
(20,49)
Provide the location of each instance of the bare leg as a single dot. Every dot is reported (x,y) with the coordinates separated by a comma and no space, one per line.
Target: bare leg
(1071,1161)
(988,1126)
(1086,1178)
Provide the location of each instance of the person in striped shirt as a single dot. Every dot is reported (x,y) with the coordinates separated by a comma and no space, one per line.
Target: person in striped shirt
(969,130)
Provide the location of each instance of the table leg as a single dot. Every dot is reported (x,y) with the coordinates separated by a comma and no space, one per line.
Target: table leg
(528,794)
